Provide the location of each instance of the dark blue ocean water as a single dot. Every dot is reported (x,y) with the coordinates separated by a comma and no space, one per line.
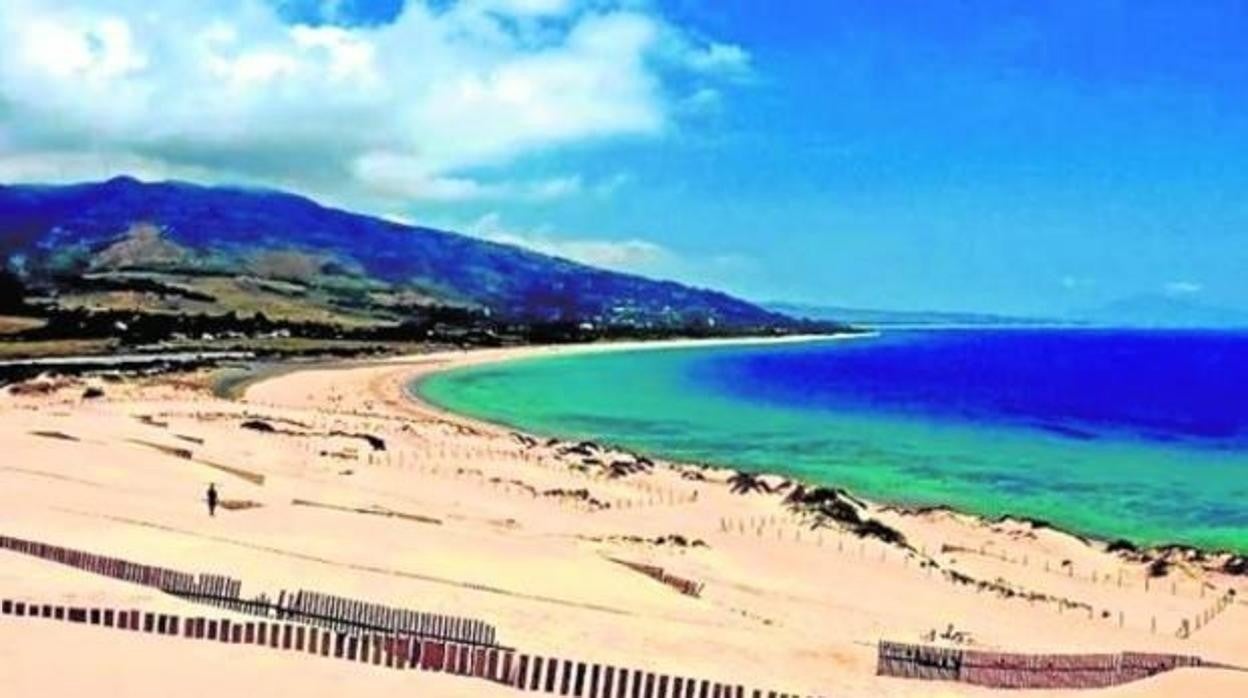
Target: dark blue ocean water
(1083,384)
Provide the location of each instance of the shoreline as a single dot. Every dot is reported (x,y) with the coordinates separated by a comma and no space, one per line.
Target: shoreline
(335,481)
(411,392)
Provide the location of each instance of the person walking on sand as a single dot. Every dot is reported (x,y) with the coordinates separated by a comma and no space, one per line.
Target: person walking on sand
(212,499)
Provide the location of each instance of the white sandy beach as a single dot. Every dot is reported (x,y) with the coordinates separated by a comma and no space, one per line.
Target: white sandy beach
(459,517)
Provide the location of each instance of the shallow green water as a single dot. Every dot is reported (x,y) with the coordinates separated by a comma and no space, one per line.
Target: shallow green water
(658,402)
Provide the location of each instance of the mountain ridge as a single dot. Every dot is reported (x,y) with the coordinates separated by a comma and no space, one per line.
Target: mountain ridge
(878,317)
(1159,310)
(54,232)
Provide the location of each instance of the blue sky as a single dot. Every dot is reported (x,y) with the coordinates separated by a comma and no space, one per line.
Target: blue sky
(1021,157)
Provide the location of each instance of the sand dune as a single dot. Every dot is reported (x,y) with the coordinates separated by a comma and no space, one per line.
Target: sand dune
(464,518)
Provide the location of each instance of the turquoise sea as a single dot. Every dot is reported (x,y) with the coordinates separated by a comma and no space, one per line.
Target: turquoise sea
(1116,434)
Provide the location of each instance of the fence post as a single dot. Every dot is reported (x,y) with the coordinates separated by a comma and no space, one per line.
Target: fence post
(608,681)
(504,675)
(565,677)
(579,680)
(536,680)
(545,674)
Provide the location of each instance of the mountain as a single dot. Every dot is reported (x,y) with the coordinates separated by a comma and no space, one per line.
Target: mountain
(178,247)
(1162,311)
(879,318)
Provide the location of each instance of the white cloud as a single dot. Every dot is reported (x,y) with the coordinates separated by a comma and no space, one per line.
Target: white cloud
(636,255)
(411,179)
(100,51)
(63,167)
(400,218)
(528,8)
(1182,288)
(612,184)
(371,114)
(631,255)
(703,100)
(719,58)
(553,188)
(348,57)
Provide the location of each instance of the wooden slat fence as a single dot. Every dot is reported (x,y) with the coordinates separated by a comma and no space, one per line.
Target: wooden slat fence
(334,613)
(342,614)
(685,586)
(332,626)
(523,672)
(1011,670)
